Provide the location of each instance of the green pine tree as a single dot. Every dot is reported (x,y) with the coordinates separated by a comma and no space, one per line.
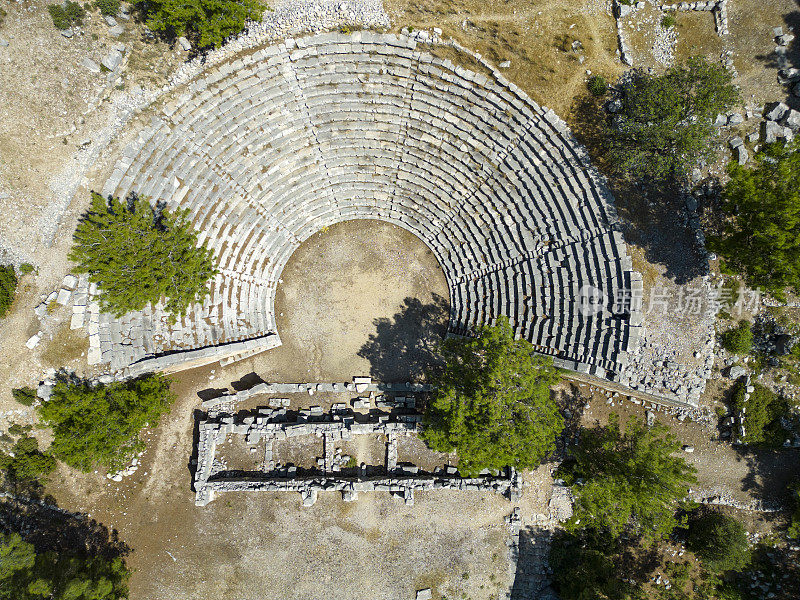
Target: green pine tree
(719,540)
(26,574)
(138,254)
(666,124)
(761,237)
(99,425)
(627,482)
(492,402)
(28,464)
(206,22)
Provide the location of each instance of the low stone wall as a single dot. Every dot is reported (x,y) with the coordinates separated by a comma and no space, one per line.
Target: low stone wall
(312,388)
(189,359)
(270,425)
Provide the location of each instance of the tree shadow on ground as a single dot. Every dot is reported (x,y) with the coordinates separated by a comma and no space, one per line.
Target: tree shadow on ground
(211,393)
(246,382)
(571,403)
(531,558)
(770,472)
(791,24)
(652,214)
(403,348)
(48,527)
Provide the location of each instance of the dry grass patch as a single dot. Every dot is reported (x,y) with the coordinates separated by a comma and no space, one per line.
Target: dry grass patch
(536,39)
(66,346)
(696,36)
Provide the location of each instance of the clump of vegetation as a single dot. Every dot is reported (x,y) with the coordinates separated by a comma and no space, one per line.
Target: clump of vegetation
(794,524)
(719,540)
(138,254)
(764,410)
(597,85)
(668,20)
(99,425)
(492,402)
(26,268)
(351,463)
(109,8)
(206,22)
(66,15)
(24,395)
(627,482)
(738,340)
(761,236)
(26,463)
(588,564)
(666,124)
(26,574)
(3,15)
(8,286)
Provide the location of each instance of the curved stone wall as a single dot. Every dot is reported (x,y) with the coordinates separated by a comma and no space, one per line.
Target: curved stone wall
(267,149)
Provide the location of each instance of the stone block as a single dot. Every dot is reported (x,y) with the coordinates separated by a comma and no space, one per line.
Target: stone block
(112,60)
(90,65)
(792,120)
(777,112)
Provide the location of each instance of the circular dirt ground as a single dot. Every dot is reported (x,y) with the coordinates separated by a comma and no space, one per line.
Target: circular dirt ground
(361,297)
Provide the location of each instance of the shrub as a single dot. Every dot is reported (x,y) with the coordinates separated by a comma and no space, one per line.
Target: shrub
(738,340)
(763,412)
(138,254)
(28,464)
(75,12)
(24,395)
(109,8)
(8,286)
(668,21)
(719,540)
(26,268)
(67,15)
(26,574)
(597,85)
(666,124)
(627,482)
(492,402)
(100,424)
(59,16)
(206,22)
(16,429)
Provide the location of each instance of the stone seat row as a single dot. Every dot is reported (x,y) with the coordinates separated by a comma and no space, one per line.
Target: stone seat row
(265,151)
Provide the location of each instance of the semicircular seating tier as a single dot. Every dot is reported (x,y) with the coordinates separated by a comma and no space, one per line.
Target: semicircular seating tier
(267,149)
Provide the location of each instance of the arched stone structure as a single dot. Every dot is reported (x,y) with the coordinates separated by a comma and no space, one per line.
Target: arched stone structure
(268,148)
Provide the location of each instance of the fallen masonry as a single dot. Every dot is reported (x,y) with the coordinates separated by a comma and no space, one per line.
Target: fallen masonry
(271,425)
(360,385)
